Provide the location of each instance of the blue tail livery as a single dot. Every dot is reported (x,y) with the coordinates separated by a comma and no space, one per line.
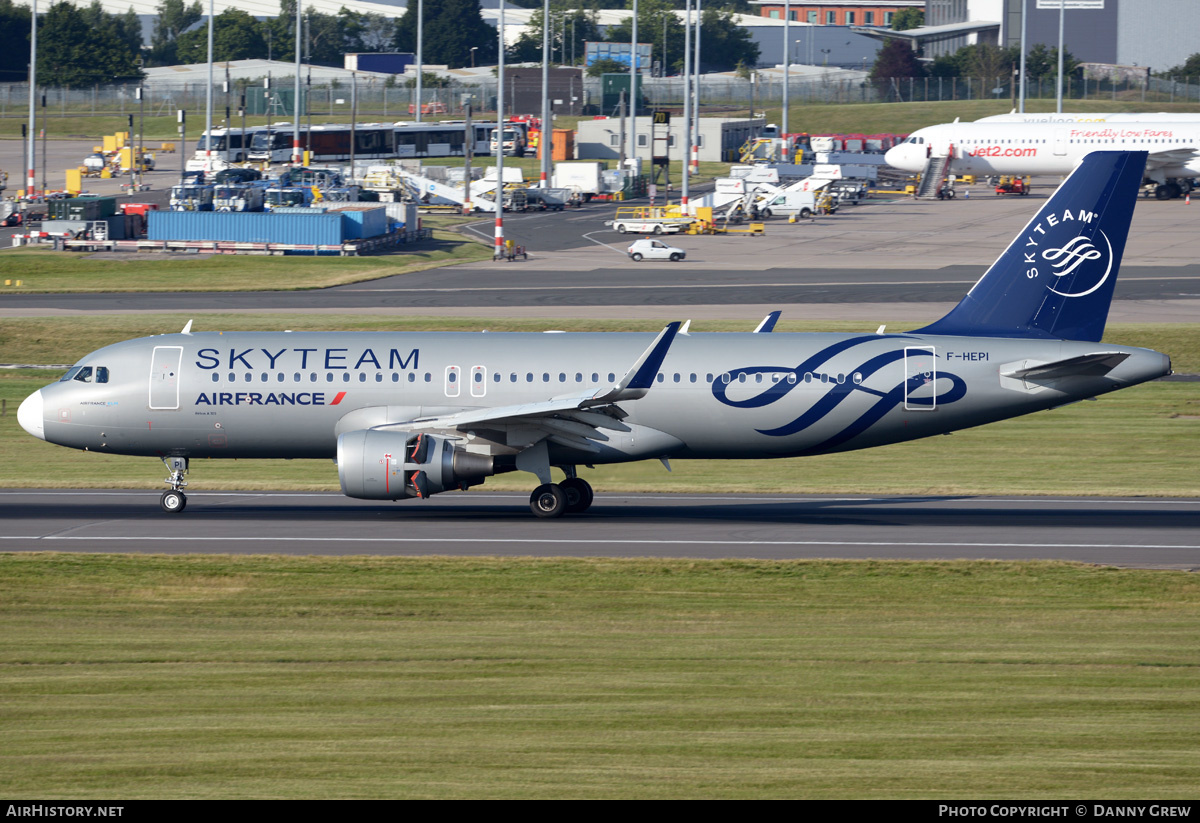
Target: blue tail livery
(1056,279)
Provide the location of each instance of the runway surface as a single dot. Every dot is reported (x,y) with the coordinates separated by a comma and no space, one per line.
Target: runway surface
(1134,532)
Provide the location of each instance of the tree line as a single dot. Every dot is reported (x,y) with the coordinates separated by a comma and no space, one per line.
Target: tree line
(85,45)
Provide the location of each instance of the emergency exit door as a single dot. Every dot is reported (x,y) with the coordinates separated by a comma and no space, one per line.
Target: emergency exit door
(920,378)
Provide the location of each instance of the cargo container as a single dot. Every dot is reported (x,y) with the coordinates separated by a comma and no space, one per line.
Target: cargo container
(314,228)
(86,207)
(360,221)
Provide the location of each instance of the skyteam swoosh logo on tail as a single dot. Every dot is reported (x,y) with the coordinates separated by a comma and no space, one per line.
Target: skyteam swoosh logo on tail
(1075,253)
(863,381)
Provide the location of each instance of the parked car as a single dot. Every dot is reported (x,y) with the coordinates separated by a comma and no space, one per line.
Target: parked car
(648,249)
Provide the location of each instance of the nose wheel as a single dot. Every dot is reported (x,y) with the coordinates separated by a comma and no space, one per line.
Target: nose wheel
(174,500)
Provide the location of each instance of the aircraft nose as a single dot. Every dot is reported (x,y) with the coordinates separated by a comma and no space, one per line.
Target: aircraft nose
(29,415)
(896,157)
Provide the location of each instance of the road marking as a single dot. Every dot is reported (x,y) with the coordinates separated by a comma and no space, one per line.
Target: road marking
(179,538)
(665,497)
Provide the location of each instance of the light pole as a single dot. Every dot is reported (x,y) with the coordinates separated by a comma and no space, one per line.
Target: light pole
(543,148)
(31,182)
(498,252)
(296,96)
(420,44)
(473,50)
(787,60)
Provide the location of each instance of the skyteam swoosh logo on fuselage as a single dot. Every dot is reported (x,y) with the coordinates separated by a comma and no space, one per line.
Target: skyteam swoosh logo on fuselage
(836,393)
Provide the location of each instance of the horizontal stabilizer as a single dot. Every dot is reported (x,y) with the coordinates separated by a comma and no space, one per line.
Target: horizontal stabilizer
(1086,365)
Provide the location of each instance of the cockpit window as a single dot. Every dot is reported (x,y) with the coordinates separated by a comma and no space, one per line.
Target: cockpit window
(86,374)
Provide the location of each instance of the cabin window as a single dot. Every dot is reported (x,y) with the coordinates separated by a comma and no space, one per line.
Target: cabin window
(232,377)
(379,377)
(395,377)
(428,377)
(216,378)
(545,377)
(578,377)
(612,378)
(659,377)
(412,377)
(296,377)
(595,377)
(312,377)
(362,376)
(346,377)
(562,377)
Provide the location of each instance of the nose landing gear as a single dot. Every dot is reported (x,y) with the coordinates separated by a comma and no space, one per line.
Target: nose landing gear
(174,500)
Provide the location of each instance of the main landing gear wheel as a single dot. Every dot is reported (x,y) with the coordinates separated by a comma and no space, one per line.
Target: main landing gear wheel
(173,502)
(579,494)
(548,500)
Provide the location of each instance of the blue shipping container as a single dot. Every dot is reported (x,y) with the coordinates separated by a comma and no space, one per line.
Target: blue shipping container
(361,221)
(316,228)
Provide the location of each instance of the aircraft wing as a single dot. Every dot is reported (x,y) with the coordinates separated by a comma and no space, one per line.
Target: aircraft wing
(573,419)
(1086,365)
(1169,158)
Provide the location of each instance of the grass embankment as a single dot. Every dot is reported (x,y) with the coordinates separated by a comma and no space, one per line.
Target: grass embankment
(1140,441)
(44,270)
(221,677)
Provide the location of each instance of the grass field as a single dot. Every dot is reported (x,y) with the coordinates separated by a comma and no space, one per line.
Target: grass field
(44,270)
(864,118)
(1140,441)
(220,677)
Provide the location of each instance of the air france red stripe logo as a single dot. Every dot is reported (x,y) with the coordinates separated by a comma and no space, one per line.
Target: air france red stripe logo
(338,398)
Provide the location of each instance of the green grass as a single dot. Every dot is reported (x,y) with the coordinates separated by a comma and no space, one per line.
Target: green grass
(1141,441)
(47,271)
(253,677)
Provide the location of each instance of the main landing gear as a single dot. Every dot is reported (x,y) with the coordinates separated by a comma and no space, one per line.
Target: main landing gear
(174,500)
(572,496)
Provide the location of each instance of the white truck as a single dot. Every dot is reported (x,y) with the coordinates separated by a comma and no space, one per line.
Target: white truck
(799,203)
(584,178)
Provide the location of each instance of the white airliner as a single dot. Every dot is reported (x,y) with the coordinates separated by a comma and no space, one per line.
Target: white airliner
(1093,117)
(989,148)
(407,415)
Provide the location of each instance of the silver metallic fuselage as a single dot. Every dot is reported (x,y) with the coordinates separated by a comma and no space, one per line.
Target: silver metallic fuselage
(289,395)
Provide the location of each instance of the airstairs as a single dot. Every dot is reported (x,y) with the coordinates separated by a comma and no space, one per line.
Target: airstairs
(934,177)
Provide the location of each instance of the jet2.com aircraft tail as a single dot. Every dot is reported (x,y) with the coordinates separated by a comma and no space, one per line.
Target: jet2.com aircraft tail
(1056,279)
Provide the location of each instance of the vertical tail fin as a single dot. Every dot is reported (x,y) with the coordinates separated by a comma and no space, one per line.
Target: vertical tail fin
(1056,279)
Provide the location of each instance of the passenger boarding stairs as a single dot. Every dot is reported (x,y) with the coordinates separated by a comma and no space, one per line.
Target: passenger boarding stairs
(934,177)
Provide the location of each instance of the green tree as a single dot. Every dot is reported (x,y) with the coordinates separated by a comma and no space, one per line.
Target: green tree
(174,18)
(906,19)
(895,60)
(570,29)
(724,44)
(365,31)
(1042,62)
(657,25)
(14,30)
(607,66)
(1189,68)
(236,36)
(72,53)
(451,28)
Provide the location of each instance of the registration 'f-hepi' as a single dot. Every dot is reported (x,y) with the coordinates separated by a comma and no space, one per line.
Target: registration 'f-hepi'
(411,415)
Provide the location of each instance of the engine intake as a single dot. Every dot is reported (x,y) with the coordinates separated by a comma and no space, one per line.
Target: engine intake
(392,465)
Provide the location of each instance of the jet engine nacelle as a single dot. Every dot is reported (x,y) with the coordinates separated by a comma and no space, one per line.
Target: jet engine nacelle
(391,465)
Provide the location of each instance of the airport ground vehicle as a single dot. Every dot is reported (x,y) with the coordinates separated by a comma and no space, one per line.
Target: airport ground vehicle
(648,249)
(1011,185)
